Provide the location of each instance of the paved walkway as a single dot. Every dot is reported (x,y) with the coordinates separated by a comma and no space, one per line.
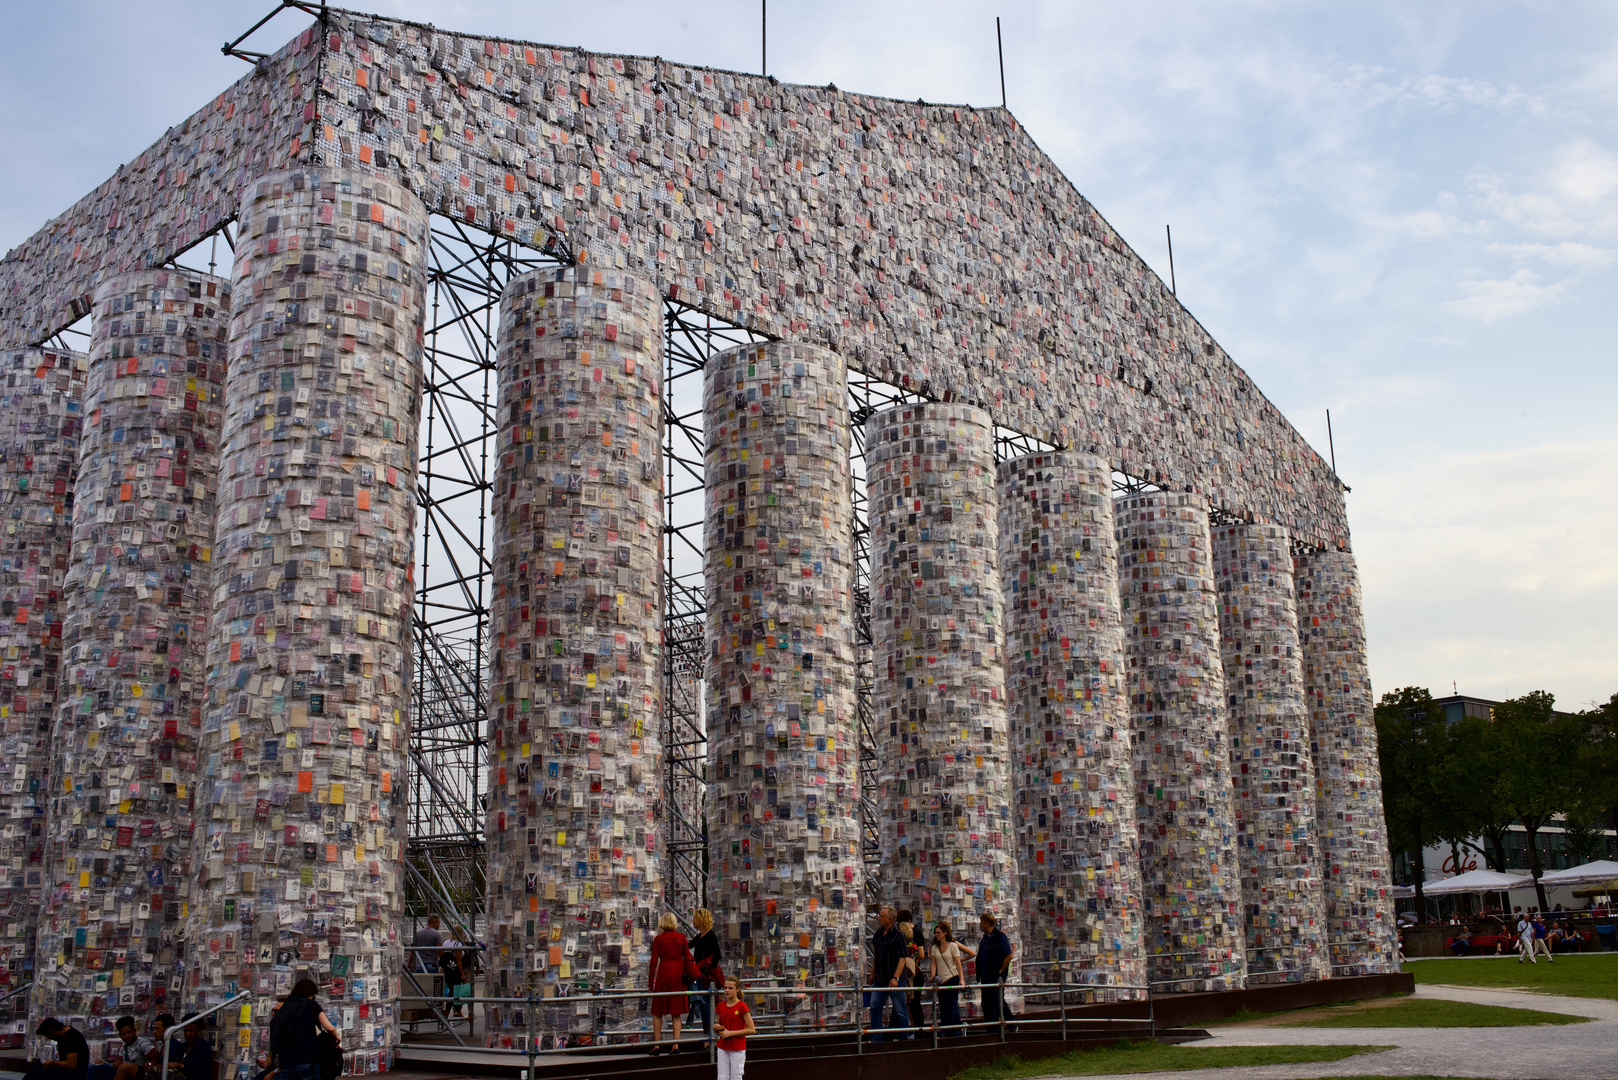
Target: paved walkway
(1565,1052)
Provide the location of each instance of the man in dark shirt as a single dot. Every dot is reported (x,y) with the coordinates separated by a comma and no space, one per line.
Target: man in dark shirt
(426,940)
(994,963)
(72,1052)
(887,950)
(194,1056)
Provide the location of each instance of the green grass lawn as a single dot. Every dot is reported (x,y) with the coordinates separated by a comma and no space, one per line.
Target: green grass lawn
(1433,1013)
(1593,975)
(1138,1057)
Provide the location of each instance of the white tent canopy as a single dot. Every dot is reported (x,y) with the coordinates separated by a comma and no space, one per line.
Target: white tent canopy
(1591,873)
(1478,881)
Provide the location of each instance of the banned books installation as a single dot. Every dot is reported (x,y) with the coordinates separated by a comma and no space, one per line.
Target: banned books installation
(139,590)
(766,204)
(1353,834)
(1078,844)
(301,823)
(574,756)
(1283,908)
(40,427)
(769,204)
(938,698)
(1176,691)
(783,796)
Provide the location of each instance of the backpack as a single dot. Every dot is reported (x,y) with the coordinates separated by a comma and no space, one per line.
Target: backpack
(329,1055)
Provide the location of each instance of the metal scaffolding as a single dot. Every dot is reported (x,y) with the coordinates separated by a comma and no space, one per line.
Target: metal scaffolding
(467,272)
(690,337)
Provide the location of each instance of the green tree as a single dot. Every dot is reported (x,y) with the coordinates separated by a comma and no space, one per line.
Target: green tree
(1475,768)
(1538,749)
(1414,745)
(1582,839)
(1597,799)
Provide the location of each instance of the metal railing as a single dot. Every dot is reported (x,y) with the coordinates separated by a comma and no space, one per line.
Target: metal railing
(851,1018)
(1205,977)
(188,1021)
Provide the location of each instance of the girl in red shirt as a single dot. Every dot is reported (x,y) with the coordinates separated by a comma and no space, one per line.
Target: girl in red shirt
(732,1026)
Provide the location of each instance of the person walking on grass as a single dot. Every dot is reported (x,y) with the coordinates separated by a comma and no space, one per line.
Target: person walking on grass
(1525,940)
(735,1024)
(1540,944)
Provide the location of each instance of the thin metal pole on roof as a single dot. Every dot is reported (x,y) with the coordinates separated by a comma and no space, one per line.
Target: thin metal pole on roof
(1173,290)
(1000,49)
(1330,445)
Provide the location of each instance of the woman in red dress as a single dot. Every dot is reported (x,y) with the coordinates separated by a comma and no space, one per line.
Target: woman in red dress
(670,954)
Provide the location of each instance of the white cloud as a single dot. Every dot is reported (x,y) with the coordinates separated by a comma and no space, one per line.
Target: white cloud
(1500,298)
(1569,253)
(1494,569)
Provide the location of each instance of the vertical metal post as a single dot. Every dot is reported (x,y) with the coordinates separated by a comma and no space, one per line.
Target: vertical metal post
(713,1024)
(935,1015)
(859,1012)
(1061,979)
(528,1022)
(1001,52)
(1001,1003)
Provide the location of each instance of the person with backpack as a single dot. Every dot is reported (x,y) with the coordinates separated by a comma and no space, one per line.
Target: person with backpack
(449,969)
(294,1034)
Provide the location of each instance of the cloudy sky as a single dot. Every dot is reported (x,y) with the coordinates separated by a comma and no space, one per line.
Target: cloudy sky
(1404,213)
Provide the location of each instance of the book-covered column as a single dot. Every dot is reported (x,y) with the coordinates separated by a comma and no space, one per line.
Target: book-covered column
(138,592)
(1283,911)
(1078,846)
(783,797)
(1176,689)
(299,806)
(938,697)
(40,427)
(574,766)
(1353,834)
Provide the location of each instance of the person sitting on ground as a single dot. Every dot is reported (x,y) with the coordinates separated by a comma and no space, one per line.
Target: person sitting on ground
(191,1054)
(72,1052)
(153,1067)
(132,1049)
